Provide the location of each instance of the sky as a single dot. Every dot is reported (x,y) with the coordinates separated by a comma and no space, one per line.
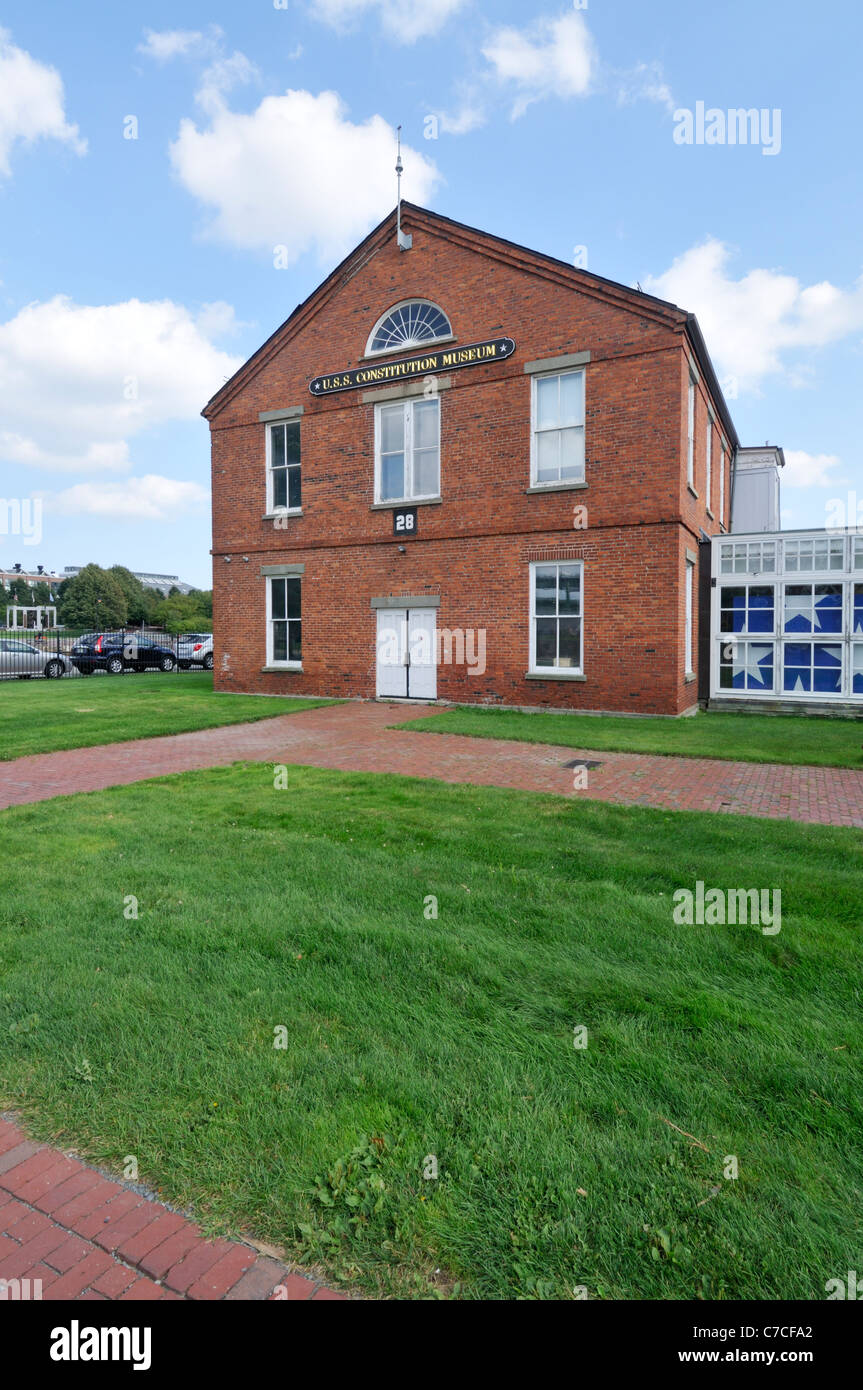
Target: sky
(176,177)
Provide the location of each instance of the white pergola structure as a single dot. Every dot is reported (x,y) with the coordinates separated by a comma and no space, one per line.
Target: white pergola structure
(37,618)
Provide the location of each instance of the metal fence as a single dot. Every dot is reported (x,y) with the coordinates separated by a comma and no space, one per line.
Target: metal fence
(57,653)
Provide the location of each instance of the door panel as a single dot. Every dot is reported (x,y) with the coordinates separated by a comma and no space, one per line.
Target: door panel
(392,673)
(422,671)
(406,656)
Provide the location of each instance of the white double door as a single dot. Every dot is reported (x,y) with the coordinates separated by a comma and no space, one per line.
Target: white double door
(406,655)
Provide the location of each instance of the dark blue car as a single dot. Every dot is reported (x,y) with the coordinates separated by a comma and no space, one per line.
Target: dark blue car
(116,652)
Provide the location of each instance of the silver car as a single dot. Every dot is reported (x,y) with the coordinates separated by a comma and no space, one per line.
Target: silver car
(19,658)
(195,649)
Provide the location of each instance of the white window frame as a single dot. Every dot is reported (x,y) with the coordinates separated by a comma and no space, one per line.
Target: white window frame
(407,406)
(723,460)
(753,554)
(271,661)
(535,481)
(413,344)
(708,464)
(552,671)
(690,434)
(778,579)
(689,586)
(272,509)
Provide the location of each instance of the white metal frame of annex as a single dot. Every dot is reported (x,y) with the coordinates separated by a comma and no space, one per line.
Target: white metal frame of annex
(786,619)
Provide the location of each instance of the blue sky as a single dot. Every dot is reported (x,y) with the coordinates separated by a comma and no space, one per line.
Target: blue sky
(136,273)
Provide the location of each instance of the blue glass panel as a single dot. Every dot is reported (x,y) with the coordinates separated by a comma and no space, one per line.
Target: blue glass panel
(797,654)
(797,678)
(761,679)
(828,612)
(827,656)
(827,681)
(858,683)
(761,621)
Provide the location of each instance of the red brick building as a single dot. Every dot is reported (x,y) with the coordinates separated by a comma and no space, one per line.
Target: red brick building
(466,470)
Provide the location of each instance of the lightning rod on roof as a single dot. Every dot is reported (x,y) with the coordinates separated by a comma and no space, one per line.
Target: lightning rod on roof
(405,240)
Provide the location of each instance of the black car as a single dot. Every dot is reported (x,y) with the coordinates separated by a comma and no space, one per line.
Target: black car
(116,652)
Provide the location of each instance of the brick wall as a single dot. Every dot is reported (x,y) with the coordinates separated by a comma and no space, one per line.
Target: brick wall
(473,548)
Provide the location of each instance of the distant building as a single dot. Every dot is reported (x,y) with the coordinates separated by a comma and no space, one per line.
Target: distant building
(31,577)
(755,493)
(163,582)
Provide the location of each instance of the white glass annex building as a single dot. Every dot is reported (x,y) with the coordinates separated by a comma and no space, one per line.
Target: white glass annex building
(786,617)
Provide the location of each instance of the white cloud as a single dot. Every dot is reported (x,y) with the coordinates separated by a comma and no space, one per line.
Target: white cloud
(165,44)
(645,82)
(31,103)
(405,21)
(78,381)
(754,324)
(470,116)
(149,498)
(221,77)
(295,172)
(809,470)
(554,57)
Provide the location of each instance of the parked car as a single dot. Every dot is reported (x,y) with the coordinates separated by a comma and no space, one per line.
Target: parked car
(196,649)
(116,652)
(26,659)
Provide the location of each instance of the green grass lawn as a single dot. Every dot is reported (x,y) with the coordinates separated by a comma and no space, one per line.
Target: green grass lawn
(409,1038)
(753,738)
(44,716)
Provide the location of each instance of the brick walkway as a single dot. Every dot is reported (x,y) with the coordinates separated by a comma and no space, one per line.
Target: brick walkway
(85,1237)
(356,737)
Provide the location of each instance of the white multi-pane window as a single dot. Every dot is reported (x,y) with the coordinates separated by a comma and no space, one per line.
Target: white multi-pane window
(746,666)
(723,452)
(787,617)
(283,466)
(690,435)
(858,553)
(687,645)
(557,452)
(812,608)
(413,323)
(819,553)
(747,608)
(556,611)
(708,464)
(747,557)
(284,621)
(857,646)
(407,451)
(857,676)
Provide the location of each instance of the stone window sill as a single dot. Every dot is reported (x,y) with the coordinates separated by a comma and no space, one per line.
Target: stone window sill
(281,670)
(288,511)
(552,675)
(406,502)
(556,487)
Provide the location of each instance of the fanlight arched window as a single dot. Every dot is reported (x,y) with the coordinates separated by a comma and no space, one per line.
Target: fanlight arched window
(413,323)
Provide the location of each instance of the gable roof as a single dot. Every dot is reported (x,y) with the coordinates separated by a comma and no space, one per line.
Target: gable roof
(511,253)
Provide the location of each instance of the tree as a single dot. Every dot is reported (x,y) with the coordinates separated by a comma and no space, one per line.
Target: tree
(40,594)
(204,600)
(93,598)
(182,613)
(19,592)
(140,601)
